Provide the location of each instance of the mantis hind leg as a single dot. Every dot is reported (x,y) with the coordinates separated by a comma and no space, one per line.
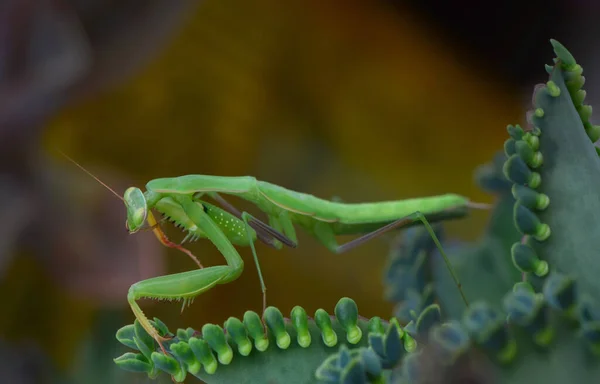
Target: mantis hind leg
(327,238)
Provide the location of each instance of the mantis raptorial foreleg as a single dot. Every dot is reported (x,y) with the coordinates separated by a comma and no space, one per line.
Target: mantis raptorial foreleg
(162,237)
(187,285)
(151,227)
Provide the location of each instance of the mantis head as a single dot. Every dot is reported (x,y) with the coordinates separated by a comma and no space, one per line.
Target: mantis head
(137,208)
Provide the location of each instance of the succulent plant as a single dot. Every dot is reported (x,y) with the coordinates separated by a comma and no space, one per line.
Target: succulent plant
(287,350)
(545,325)
(531,280)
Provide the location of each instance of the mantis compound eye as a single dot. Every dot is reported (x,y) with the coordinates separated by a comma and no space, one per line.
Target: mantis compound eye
(137,208)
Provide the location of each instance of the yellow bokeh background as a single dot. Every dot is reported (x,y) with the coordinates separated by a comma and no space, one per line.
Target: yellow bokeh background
(345,99)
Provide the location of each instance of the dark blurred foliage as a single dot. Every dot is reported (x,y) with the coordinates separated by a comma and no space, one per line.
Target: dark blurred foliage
(493,35)
(357,99)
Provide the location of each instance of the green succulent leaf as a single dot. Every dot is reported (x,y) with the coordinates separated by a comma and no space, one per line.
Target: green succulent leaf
(290,351)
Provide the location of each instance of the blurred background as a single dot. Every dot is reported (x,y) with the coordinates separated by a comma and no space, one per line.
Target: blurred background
(361,100)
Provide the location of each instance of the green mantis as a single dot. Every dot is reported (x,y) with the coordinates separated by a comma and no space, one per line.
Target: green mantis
(182,200)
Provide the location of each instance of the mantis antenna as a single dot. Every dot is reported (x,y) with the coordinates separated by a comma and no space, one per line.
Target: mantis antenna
(92,175)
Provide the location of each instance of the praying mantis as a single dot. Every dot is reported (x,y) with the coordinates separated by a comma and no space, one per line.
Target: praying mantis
(181,200)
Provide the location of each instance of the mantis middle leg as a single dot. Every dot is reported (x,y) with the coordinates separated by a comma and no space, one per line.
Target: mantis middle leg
(187,285)
(270,235)
(246,217)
